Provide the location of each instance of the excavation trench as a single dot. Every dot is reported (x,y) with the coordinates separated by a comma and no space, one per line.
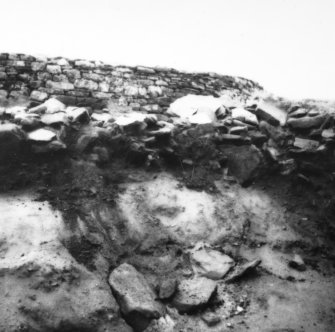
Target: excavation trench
(56,253)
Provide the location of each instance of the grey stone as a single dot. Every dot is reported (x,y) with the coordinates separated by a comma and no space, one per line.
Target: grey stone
(210,263)
(243,269)
(38,95)
(133,292)
(38,66)
(270,113)
(306,122)
(59,85)
(210,318)
(86,84)
(54,118)
(244,116)
(84,64)
(298,113)
(305,144)
(78,114)
(244,162)
(52,105)
(193,294)
(145,70)
(328,133)
(167,288)
(54,69)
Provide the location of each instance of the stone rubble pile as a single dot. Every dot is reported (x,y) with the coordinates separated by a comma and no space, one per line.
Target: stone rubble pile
(241,141)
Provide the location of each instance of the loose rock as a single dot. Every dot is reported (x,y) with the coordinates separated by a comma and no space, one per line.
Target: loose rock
(210,263)
(193,294)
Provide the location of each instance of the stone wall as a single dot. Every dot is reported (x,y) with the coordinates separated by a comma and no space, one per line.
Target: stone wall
(82,82)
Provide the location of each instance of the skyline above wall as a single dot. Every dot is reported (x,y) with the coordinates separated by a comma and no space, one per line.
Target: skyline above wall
(285,46)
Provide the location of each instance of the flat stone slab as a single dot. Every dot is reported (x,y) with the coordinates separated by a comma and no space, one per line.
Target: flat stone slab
(241,270)
(306,122)
(193,293)
(133,293)
(54,118)
(243,115)
(41,135)
(210,263)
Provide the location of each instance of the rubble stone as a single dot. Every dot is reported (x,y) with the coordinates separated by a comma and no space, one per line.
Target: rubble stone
(133,293)
(193,294)
(210,263)
(306,122)
(41,135)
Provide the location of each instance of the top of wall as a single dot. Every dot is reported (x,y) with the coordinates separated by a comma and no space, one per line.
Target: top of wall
(94,83)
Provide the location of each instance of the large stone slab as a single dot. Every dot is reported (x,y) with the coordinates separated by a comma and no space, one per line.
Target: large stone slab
(306,122)
(193,294)
(244,162)
(133,292)
(196,109)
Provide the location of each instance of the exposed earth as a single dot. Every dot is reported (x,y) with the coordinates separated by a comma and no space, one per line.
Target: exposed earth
(218,217)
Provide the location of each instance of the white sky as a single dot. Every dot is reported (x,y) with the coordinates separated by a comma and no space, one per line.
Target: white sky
(288,46)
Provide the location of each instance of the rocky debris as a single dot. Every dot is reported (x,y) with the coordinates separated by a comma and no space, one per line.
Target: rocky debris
(297,263)
(193,294)
(136,298)
(78,114)
(163,324)
(241,270)
(210,263)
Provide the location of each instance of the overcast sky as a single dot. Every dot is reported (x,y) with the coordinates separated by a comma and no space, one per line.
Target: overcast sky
(288,46)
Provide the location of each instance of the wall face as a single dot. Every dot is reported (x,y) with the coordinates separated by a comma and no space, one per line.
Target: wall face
(81,82)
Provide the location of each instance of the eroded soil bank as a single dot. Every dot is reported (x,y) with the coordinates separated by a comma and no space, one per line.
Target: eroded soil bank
(72,223)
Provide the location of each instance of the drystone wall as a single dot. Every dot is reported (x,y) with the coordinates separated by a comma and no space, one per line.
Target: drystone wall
(82,82)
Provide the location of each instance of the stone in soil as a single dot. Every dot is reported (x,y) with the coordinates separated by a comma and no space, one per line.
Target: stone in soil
(211,319)
(244,162)
(193,294)
(167,288)
(297,263)
(135,297)
(241,270)
(210,263)
(270,113)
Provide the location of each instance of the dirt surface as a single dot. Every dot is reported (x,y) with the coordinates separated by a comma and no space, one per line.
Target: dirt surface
(94,218)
